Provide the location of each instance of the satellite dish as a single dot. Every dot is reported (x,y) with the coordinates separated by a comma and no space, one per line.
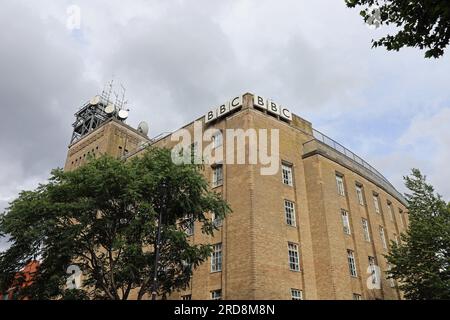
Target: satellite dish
(110,109)
(95,100)
(123,114)
(143,128)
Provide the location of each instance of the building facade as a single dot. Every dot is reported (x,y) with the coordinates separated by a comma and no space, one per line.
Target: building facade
(318,228)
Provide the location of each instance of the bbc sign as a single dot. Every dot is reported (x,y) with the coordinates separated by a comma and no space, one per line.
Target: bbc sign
(272,107)
(258,102)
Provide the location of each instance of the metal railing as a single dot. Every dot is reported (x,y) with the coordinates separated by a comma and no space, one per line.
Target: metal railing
(349,154)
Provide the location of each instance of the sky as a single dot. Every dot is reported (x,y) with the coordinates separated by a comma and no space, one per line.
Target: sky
(179,59)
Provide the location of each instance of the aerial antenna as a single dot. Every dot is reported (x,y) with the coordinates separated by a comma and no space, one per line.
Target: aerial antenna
(116,102)
(111,83)
(122,100)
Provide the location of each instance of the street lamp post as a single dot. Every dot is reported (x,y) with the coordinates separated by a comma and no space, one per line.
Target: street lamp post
(158,243)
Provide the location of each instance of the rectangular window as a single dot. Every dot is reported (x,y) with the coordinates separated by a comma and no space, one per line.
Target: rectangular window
(186,297)
(218,175)
(357,297)
(351,263)
(383,237)
(376,203)
(391,211)
(188,225)
(294,261)
(296,294)
(217,221)
(287,174)
(217,139)
(365,225)
(216,258)
(289,211)
(340,185)
(345,221)
(373,272)
(359,194)
(216,295)
(194,152)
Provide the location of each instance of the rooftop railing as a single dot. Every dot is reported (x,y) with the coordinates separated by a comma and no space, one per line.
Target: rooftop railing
(349,154)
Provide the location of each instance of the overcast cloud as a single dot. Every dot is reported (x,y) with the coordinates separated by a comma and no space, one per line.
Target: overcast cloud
(178,59)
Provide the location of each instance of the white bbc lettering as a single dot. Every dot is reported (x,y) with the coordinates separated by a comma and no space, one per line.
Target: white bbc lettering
(286,114)
(210,116)
(223,110)
(273,108)
(260,102)
(236,103)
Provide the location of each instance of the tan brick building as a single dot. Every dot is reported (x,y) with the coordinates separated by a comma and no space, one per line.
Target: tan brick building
(310,231)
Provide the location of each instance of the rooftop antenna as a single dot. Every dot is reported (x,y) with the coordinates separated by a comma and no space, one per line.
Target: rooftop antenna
(116,102)
(104,94)
(108,96)
(122,101)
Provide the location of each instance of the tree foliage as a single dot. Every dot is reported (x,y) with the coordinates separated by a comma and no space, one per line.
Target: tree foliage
(420,23)
(103,218)
(421,262)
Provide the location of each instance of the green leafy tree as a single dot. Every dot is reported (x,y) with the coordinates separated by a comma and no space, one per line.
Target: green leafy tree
(420,23)
(421,262)
(103,217)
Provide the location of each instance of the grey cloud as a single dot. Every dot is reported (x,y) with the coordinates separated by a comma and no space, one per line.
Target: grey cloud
(40,85)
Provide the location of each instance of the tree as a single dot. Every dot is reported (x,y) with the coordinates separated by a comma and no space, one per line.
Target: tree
(103,217)
(421,262)
(421,23)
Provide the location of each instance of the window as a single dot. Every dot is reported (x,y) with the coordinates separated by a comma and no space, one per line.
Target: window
(217,221)
(188,224)
(218,175)
(287,174)
(391,211)
(216,258)
(294,261)
(296,294)
(186,297)
(216,295)
(340,185)
(372,266)
(357,297)
(383,237)
(376,203)
(217,139)
(351,263)
(365,225)
(359,194)
(194,153)
(345,221)
(289,211)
